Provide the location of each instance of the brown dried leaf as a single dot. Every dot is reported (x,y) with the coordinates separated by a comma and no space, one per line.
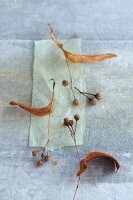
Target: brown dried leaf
(38,111)
(80,58)
(92,155)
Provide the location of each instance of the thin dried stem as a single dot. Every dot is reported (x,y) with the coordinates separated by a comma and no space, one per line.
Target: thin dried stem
(82,93)
(49,133)
(76,126)
(88,93)
(76,149)
(73,134)
(78,182)
(71,81)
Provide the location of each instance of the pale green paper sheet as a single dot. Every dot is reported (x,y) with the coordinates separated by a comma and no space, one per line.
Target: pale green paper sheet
(49,62)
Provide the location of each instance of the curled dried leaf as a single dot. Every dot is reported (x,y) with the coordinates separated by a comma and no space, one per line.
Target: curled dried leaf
(38,111)
(92,155)
(76,58)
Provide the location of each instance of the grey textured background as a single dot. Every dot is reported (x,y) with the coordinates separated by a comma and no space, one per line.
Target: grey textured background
(108,125)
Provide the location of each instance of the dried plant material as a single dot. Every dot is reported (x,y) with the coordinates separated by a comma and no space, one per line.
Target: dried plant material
(76,102)
(80,58)
(40,163)
(47,158)
(76,117)
(38,111)
(87,58)
(70,124)
(35,153)
(65,83)
(93,155)
(44,158)
(93,101)
(93,98)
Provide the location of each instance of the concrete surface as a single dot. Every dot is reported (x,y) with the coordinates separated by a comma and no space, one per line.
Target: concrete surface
(108,125)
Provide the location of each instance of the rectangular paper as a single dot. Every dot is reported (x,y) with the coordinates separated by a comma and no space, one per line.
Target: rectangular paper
(49,62)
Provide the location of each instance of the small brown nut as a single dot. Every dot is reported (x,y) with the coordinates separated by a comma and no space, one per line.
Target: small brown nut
(47,158)
(40,163)
(76,102)
(98,96)
(65,83)
(35,153)
(66,120)
(93,101)
(70,122)
(76,117)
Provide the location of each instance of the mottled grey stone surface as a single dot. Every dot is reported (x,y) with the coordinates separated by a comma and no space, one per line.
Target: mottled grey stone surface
(108,125)
(89,19)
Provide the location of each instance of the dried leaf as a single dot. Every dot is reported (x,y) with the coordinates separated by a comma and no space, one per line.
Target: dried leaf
(92,155)
(80,58)
(38,111)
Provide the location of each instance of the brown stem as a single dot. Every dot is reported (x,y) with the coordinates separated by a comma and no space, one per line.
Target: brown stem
(73,134)
(76,148)
(76,188)
(76,126)
(71,81)
(71,131)
(79,161)
(88,93)
(48,131)
(74,139)
(46,146)
(82,93)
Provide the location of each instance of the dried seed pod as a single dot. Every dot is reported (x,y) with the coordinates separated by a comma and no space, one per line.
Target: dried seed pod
(40,163)
(71,122)
(93,101)
(79,58)
(38,111)
(98,96)
(35,153)
(66,120)
(76,102)
(76,117)
(93,155)
(47,158)
(65,83)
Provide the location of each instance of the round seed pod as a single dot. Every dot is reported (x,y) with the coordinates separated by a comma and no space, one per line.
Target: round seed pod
(35,153)
(66,120)
(76,117)
(65,83)
(47,158)
(98,96)
(76,102)
(71,122)
(92,101)
(40,163)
